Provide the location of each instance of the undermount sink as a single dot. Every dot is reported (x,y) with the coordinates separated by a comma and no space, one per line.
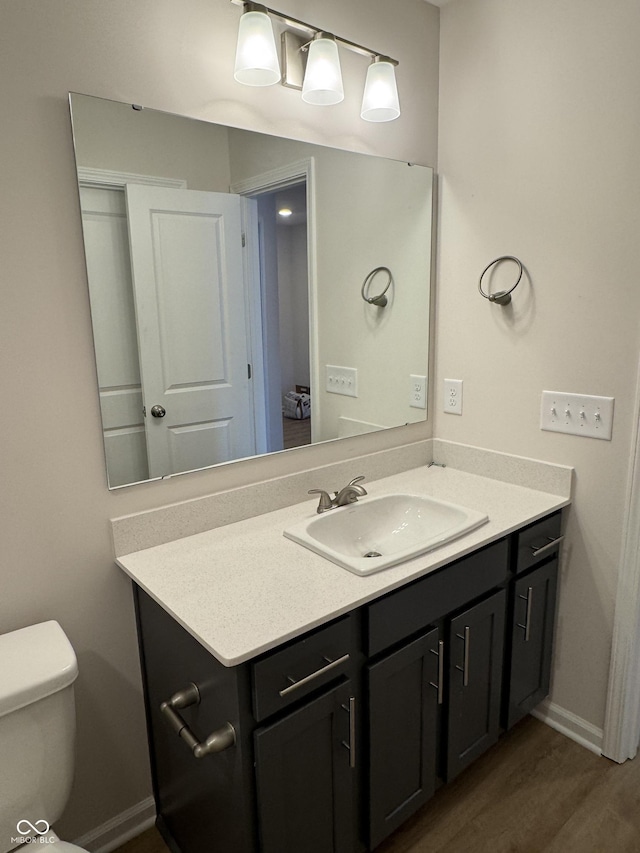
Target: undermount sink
(378,532)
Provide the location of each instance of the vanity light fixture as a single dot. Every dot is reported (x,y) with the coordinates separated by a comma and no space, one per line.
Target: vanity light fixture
(256,53)
(285,211)
(380,100)
(310,62)
(323,76)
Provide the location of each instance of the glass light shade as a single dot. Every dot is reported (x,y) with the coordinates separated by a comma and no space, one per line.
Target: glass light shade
(323,78)
(256,55)
(380,100)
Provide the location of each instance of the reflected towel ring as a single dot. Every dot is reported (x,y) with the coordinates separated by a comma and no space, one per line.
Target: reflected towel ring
(380,300)
(502,297)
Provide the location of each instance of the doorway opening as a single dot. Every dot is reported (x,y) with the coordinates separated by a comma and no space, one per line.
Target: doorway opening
(284,304)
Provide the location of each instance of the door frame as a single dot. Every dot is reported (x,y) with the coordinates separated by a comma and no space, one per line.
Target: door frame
(88,177)
(276,179)
(255,337)
(622,719)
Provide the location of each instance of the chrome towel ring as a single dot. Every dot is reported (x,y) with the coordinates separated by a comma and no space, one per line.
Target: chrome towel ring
(502,297)
(380,300)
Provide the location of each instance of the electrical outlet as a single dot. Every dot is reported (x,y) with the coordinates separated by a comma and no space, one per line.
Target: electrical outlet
(577,414)
(418,391)
(452,403)
(341,380)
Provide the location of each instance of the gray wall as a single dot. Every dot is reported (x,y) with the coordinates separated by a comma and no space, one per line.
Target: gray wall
(538,157)
(56,558)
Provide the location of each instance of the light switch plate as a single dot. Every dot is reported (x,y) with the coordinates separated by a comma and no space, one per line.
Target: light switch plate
(341,380)
(577,414)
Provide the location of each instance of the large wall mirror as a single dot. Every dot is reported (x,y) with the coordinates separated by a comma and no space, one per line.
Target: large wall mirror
(226,271)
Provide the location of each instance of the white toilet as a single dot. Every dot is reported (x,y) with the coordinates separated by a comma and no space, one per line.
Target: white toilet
(37,730)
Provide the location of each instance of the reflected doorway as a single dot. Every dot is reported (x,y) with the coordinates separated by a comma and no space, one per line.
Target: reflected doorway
(284,298)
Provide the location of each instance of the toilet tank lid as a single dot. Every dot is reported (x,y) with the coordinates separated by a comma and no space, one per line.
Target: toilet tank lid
(34,663)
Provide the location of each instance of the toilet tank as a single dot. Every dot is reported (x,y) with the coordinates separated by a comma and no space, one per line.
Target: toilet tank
(37,727)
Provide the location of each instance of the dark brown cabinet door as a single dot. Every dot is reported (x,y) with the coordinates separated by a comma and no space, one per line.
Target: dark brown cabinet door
(306,777)
(534,603)
(403,704)
(476,643)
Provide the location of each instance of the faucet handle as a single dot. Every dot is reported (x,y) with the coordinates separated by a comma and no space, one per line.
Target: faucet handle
(356,480)
(325,500)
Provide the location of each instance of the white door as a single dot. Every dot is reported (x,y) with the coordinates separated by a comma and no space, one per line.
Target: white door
(104,222)
(186,260)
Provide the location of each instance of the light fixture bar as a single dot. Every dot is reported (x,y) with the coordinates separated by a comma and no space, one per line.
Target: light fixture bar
(311,31)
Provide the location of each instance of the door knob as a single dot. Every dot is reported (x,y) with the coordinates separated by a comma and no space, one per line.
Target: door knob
(158,411)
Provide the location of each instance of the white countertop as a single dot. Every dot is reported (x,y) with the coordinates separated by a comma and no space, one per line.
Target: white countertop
(244,588)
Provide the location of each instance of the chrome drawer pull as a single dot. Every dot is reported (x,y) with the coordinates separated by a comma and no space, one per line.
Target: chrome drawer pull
(537,550)
(351,746)
(527,621)
(440,685)
(295,684)
(464,669)
(221,739)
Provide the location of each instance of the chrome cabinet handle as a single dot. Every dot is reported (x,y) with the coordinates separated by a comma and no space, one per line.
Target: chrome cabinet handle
(440,685)
(537,550)
(221,739)
(527,620)
(464,669)
(158,411)
(296,684)
(351,746)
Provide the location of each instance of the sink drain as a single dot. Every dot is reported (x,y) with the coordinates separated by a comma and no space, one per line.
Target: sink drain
(373,554)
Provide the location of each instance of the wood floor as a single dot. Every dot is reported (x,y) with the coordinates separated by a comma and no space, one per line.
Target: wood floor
(296,433)
(535,792)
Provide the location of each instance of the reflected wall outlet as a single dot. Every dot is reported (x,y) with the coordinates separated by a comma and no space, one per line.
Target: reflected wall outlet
(341,380)
(418,391)
(577,414)
(452,396)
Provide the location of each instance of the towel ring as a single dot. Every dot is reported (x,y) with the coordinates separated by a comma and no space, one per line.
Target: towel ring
(502,297)
(380,300)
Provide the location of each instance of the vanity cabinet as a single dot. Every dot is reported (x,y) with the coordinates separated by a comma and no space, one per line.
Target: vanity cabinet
(476,643)
(403,694)
(532,616)
(306,777)
(306,758)
(534,598)
(202,803)
(434,700)
(343,733)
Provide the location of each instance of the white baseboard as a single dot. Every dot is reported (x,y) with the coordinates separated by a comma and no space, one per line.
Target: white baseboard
(120,829)
(571,725)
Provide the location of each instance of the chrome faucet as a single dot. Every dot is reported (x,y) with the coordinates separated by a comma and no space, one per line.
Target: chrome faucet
(348,495)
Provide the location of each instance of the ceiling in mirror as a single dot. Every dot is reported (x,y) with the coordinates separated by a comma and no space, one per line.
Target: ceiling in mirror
(224,327)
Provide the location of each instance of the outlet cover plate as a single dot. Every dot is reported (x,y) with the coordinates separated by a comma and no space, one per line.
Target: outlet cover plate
(341,380)
(577,414)
(452,396)
(417,391)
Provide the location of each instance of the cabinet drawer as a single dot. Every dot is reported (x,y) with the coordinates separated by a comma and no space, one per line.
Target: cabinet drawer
(293,672)
(536,543)
(413,607)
